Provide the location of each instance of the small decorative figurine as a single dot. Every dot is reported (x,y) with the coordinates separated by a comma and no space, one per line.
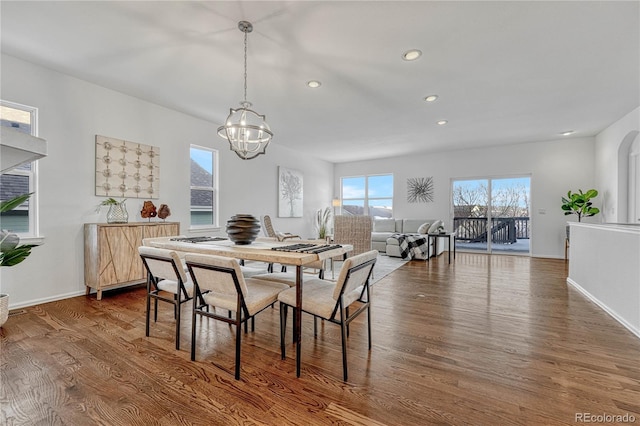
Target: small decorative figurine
(164,211)
(148,210)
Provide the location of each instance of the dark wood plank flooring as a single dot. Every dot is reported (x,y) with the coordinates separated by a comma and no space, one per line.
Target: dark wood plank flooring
(487,340)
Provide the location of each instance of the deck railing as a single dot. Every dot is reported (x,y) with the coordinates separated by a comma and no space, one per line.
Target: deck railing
(504,230)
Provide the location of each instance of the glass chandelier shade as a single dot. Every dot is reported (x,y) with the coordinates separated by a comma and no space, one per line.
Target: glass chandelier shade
(247,131)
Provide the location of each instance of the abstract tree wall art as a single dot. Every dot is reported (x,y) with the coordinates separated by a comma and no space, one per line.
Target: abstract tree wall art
(289,192)
(420,190)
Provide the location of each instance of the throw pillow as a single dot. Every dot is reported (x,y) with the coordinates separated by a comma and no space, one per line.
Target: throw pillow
(424,228)
(434,226)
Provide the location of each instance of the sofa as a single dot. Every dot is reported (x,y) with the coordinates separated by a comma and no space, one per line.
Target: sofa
(383,229)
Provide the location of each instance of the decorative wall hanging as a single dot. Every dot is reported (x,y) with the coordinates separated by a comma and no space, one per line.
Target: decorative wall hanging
(127,169)
(420,190)
(289,192)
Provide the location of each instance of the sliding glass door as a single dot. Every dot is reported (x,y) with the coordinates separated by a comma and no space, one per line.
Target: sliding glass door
(492,214)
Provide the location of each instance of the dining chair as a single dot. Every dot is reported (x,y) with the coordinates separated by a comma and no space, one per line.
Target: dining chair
(219,282)
(165,276)
(270,232)
(354,230)
(289,278)
(280,236)
(331,301)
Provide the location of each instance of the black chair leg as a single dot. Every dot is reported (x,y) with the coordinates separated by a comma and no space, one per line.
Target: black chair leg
(315,326)
(295,316)
(193,331)
(283,327)
(369,324)
(343,329)
(177,311)
(155,309)
(238,342)
(347,313)
(148,316)
(175,306)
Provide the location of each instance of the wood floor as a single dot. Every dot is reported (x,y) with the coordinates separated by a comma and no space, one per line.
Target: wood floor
(487,340)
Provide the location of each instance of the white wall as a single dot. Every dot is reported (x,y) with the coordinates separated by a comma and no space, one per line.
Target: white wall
(603,265)
(611,169)
(71,113)
(555,167)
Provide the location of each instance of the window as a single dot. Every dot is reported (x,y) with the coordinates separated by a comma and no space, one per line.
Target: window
(21,180)
(368,195)
(204,187)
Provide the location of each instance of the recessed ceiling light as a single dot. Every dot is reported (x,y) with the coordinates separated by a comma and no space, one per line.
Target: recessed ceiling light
(431,98)
(411,55)
(314,84)
(442,122)
(567,133)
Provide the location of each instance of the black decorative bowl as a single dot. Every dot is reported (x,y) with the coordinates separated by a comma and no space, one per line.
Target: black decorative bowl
(243,228)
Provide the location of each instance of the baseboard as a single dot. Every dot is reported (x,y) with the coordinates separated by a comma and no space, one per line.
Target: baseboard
(55,298)
(548,256)
(604,307)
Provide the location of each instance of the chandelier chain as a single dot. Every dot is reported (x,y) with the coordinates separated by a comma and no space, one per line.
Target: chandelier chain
(246,131)
(245,66)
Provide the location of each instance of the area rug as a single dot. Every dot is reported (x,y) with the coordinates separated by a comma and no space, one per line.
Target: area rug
(384,266)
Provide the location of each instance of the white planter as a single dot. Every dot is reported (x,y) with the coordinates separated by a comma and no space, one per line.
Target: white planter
(4,308)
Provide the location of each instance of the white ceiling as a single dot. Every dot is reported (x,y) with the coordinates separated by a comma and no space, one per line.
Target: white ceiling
(505,72)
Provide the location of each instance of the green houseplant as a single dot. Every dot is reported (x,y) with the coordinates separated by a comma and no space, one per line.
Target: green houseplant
(579,203)
(11,252)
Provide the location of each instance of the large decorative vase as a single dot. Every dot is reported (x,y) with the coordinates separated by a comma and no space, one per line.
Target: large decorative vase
(117,213)
(243,228)
(4,308)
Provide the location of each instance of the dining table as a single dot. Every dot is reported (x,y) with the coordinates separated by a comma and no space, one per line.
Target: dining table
(268,250)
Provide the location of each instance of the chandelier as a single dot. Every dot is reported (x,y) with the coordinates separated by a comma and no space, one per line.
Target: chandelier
(247,131)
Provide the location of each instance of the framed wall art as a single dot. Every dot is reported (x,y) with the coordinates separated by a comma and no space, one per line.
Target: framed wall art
(420,190)
(289,192)
(127,169)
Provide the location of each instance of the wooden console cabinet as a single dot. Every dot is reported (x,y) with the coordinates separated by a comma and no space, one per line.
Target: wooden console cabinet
(111,252)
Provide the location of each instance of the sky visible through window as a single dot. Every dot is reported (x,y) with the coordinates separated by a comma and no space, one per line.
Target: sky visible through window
(379,187)
(203,158)
(372,195)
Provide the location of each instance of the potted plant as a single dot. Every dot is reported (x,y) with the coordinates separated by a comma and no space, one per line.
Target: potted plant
(322,222)
(117,210)
(579,203)
(11,252)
